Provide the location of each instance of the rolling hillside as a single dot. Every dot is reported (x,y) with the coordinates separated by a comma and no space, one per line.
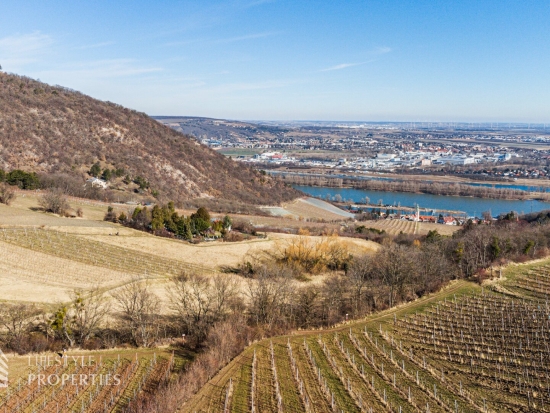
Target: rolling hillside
(464,349)
(51,129)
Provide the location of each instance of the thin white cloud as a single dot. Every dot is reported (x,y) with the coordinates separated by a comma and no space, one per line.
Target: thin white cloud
(109,68)
(20,49)
(341,66)
(375,52)
(245,37)
(24,43)
(382,50)
(223,40)
(95,46)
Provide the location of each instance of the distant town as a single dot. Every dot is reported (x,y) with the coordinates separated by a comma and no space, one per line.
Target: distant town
(499,151)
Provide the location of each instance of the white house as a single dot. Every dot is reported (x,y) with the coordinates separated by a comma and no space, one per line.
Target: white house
(97,183)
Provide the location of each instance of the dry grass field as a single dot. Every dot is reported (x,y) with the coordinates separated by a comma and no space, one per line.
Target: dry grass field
(311,208)
(43,257)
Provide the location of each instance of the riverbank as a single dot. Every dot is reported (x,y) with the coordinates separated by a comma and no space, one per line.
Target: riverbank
(476,190)
(530,183)
(471,206)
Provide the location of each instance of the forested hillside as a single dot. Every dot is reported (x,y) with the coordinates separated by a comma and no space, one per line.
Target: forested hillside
(51,129)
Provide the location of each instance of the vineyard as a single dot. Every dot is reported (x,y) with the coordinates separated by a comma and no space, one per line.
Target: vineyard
(464,349)
(54,261)
(86,251)
(78,385)
(396,226)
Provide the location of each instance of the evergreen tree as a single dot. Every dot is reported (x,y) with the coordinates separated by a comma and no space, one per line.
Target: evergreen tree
(157,221)
(95,170)
(202,213)
(227,222)
(107,174)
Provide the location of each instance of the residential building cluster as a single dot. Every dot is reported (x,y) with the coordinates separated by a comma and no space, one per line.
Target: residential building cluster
(385,161)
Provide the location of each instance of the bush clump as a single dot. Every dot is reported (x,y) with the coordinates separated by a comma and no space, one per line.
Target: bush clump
(54,201)
(7,194)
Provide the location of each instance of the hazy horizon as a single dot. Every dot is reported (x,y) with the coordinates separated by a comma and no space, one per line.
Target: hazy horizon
(420,123)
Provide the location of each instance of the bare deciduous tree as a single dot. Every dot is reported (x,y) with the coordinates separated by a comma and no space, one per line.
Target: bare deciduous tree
(335,290)
(362,279)
(395,267)
(200,301)
(17,319)
(307,303)
(89,310)
(269,295)
(7,193)
(139,311)
(54,201)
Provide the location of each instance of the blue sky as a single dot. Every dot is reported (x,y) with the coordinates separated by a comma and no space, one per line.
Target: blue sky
(281,59)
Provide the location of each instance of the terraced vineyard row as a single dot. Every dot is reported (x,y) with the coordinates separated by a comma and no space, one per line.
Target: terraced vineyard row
(475,351)
(533,283)
(86,251)
(394,226)
(95,388)
(347,371)
(497,347)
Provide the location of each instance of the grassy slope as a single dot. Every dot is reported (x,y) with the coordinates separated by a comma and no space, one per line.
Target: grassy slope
(43,256)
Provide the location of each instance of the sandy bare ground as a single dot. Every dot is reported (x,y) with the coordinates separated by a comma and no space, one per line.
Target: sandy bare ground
(311,208)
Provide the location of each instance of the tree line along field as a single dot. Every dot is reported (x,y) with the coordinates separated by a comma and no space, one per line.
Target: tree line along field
(465,349)
(137,372)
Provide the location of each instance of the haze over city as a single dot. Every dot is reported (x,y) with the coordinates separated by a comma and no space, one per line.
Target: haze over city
(244,59)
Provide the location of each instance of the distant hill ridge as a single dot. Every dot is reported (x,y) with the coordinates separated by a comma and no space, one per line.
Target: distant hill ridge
(51,129)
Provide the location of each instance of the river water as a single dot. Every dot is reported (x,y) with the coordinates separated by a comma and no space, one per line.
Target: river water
(471,206)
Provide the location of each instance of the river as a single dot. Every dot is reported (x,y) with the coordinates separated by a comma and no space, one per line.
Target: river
(471,206)
(504,185)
